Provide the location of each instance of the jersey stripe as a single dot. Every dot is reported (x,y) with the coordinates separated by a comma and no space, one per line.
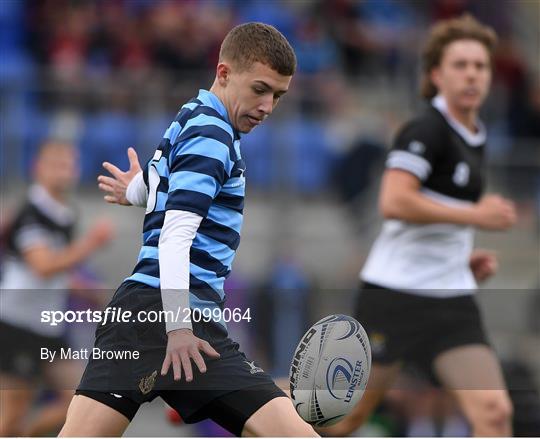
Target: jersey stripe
(185,180)
(221,233)
(190,201)
(200,170)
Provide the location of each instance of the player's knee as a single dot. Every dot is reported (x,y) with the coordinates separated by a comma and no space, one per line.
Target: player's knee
(299,429)
(493,414)
(277,419)
(307,431)
(289,428)
(503,410)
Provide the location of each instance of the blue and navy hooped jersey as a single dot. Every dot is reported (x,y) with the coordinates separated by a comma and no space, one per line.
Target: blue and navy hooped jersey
(196,168)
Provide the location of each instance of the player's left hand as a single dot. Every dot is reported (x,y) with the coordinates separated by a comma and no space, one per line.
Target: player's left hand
(183,347)
(115,188)
(483,264)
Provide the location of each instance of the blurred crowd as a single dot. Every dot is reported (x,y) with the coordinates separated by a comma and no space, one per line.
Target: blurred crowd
(112,73)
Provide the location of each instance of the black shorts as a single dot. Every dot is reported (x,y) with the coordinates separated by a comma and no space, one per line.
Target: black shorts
(415,329)
(20,353)
(231,390)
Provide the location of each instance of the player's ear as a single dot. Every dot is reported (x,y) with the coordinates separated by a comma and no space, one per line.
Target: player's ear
(435,77)
(223,72)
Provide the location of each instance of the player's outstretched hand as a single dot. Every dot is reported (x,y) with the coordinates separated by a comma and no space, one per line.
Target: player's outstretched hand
(115,187)
(182,348)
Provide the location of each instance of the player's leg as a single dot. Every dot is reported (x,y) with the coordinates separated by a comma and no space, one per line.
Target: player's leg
(473,374)
(50,417)
(259,408)
(99,407)
(277,418)
(16,397)
(380,380)
(89,417)
(63,376)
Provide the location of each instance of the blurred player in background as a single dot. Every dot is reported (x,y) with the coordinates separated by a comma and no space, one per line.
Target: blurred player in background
(417,298)
(40,253)
(193,190)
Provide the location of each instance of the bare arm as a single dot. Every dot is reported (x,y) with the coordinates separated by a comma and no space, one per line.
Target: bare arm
(46,261)
(400,198)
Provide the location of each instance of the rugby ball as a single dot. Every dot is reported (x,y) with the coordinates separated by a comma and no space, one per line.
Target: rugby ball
(330,370)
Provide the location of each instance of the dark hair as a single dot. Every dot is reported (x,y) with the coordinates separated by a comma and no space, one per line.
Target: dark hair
(258,42)
(445,32)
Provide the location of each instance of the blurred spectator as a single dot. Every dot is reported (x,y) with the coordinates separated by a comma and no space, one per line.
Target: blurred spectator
(281,315)
(524,110)
(315,50)
(353,173)
(131,57)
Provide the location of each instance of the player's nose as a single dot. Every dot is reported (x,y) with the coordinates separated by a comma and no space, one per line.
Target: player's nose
(266,105)
(471,71)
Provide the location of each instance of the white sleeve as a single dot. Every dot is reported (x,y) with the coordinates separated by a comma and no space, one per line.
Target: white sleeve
(177,234)
(32,235)
(136,192)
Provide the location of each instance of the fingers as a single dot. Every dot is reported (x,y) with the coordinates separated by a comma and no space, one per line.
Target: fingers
(107,180)
(106,188)
(198,360)
(483,257)
(484,252)
(133,159)
(183,361)
(107,184)
(485,269)
(110,199)
(186,365)
(116,172)
(512,214)
(177,370)
(179,362)
(209,350)
(166,364)
(491,266)
(180,353)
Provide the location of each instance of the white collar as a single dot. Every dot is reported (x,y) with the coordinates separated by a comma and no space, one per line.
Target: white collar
(473,139)
(58,212)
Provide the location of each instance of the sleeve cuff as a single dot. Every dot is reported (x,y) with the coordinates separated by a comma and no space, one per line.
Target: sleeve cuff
(136,192)
(412,163)
(176,305)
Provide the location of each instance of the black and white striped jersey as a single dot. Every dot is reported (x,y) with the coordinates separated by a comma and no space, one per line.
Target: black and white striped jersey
(431,259)
(40,220)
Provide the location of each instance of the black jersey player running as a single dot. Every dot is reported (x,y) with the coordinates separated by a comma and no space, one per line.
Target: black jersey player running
(42,252)
(416,300)
(193,191)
